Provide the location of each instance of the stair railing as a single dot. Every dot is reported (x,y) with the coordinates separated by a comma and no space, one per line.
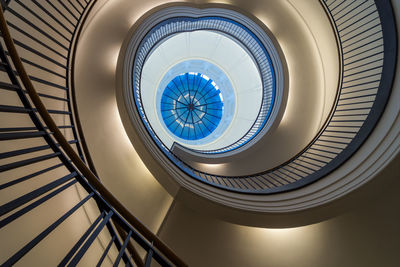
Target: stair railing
(42,147)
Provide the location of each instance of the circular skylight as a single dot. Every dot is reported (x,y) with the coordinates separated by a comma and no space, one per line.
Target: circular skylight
(231,59)
(191,106)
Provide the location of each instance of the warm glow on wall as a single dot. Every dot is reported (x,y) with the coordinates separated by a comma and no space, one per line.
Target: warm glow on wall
(213,167)
(112,57)
(127,145)
(291,238)
(139,11)
(120,129)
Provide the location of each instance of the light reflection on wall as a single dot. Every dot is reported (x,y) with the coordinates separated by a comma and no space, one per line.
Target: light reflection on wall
(299,242)
(112,56)
(139,10)
(123,138)
(213,167)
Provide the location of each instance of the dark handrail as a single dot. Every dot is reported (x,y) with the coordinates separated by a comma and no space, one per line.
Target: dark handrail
(71,67)
(88,174)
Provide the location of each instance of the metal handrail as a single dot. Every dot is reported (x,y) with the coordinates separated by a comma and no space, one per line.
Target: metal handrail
(100,189)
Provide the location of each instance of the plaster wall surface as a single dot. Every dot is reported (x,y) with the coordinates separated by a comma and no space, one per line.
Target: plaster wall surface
(119,166)
(366,234)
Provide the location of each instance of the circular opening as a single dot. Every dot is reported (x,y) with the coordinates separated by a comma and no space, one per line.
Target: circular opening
(221,49)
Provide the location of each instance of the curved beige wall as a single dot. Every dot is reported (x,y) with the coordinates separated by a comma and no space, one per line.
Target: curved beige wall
(366,235)
(305,28)
(118,165)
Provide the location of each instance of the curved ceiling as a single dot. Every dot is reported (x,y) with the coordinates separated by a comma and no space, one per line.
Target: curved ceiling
(306,29)
(298,121)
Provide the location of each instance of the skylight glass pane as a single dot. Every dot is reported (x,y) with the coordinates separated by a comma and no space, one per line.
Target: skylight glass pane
(191,106)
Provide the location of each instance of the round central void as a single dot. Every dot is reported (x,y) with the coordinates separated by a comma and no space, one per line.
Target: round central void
(248,96)
(204,85)
(191,106)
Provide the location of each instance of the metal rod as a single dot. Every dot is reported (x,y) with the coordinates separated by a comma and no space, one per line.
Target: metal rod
(33,205)
(90,240)
(77,245)
(11,261)
(34,194)
(25,162)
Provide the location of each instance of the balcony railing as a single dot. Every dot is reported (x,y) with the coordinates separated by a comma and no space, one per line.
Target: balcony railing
(367,44)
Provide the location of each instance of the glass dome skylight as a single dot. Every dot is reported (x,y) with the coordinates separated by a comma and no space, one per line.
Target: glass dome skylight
(191,106)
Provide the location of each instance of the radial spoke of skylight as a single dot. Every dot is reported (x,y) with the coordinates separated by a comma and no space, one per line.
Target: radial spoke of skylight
(192,120)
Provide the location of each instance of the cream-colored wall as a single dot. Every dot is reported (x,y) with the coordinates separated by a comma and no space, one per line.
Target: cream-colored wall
(118,164)
(367,234)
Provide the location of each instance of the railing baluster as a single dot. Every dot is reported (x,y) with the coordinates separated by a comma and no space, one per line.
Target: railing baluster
(29,176)
(23,151)
(149,257)
(17,164)
(53,17)
(103,256)
(39,54)
(90,240)
(122,250)
(39,30)
(131,249)
(43,21)
(28,35)
(38,202)
(14,109)
(17,256)
(34,194)
(77,10)
(29,62)
(81,240)
(80,4)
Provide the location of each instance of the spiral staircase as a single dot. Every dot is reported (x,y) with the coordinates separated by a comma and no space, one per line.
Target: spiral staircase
(116,198)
